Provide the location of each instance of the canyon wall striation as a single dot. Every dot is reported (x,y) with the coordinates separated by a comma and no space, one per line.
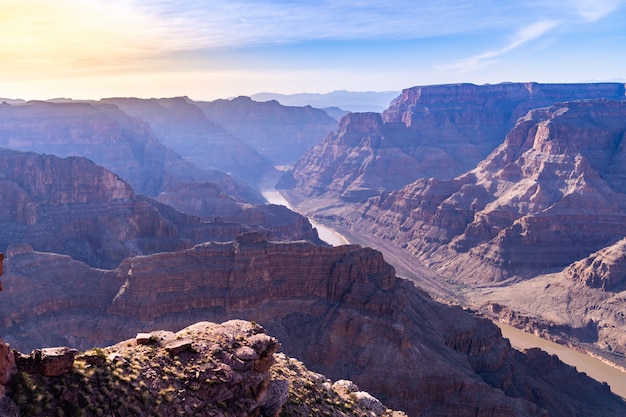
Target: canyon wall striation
(74,207)
(431,131)
(341,310)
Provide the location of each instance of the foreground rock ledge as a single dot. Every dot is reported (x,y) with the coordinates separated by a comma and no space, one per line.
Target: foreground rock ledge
(206,369)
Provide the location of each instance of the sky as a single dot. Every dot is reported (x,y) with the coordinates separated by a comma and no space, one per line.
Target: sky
(90,49)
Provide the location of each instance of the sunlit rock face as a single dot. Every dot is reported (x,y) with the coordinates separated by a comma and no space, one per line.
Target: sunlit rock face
(551,194)
(339,309)
(434,131)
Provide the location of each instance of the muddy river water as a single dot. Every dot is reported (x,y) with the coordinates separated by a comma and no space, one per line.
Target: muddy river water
(593,367)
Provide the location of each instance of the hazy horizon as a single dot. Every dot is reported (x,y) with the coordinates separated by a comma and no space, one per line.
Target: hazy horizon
(208,50)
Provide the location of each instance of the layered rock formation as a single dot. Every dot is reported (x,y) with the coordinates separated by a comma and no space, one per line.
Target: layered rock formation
(228,369)
(72,206)
(341,310)
(551,194)
(550,197)
(104,134)
(279,133)
(604,269)
(434,131)
(182,125)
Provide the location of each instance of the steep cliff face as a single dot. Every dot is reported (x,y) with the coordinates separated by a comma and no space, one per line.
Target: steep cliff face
(341,310)
(182,126)
(279,133)
(550,197)
(362,158)
(72,206)
(102,133)
(434,131)
(551,194)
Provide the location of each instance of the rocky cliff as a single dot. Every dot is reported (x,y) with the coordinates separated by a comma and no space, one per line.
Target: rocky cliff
(279,133)
(551,194)
(104,134)
(74,207)
(341,310)
(182,125)
(551,197)
(208,369)
(433,131)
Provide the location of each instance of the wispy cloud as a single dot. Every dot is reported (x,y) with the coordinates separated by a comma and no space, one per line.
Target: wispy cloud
(255,22)
(521,37)
(594,10)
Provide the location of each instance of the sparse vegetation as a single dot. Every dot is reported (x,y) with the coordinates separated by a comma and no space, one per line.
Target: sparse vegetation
(130,379)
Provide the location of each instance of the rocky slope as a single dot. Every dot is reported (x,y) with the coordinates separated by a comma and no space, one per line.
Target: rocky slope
(72,206)
(208,369)
(341,310)
(279,133)
(182,125)
(104,134)
(553,194)
(432,131)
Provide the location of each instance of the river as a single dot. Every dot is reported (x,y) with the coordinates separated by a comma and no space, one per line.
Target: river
(519,339)
(593,367)
(325,233)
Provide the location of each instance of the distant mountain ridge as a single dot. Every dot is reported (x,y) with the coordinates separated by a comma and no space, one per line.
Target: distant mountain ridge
(106,135)
(353,101)
(180,124)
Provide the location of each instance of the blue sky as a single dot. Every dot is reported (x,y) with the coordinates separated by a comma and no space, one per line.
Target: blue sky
(214,49)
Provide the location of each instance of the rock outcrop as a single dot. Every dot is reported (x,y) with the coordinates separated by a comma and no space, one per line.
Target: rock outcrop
(279,133)
(72,206)
(7,365)
(181,125)
(341,310)
(604,269)
(103,133)
(228,369)
(551,194)
(432,131)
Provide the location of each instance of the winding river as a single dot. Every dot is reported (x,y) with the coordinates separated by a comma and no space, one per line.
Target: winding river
(519,339)
(325,233)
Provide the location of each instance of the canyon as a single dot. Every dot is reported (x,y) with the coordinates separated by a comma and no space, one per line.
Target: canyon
(427,131)
(532,235)
(74,207)
(341,310)
(103,133)
(507,200)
